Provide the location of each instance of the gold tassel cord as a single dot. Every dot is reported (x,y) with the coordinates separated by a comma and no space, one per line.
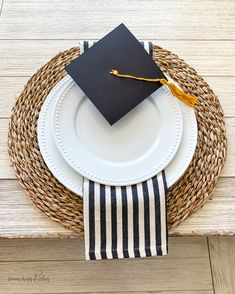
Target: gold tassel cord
(181,95)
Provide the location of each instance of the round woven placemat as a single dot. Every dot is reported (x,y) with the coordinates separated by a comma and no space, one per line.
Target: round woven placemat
(61,205)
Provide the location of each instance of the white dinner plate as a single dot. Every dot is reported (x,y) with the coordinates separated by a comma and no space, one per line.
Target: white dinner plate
(73,180)
(50,153)
(132,150)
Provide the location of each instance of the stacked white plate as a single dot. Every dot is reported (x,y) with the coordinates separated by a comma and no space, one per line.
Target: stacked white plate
(76,141)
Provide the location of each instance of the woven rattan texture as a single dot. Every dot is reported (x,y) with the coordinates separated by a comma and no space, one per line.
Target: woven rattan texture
(53,199)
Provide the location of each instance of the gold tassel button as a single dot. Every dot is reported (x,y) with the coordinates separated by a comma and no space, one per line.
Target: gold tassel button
(181,95)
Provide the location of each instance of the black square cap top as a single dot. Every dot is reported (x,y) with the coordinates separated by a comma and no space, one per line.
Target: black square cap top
(113,96)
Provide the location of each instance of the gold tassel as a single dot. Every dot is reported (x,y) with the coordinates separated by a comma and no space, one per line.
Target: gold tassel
(182,96)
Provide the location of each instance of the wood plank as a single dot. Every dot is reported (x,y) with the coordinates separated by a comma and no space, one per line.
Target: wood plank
(229,168)
(136,292)
(209,58)
(1,4)
(73,249)
(11,87)
(24,220)
(224,88)
(23,58)
(17,208)
(168,292)
(142,292)
(139,292)
(217,217)
(223,264)
(175,292)
(7,172)
(172,19)
(107,276)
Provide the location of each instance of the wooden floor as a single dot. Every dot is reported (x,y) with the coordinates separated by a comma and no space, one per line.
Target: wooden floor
(31,32)
(195,265)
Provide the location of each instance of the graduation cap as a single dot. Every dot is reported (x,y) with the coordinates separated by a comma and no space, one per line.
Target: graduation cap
(98,73)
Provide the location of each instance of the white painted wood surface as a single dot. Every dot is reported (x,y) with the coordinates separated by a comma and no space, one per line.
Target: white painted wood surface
(1,4)
(201,32)
(32,32)
(20,218)
(209,58)
(55,19)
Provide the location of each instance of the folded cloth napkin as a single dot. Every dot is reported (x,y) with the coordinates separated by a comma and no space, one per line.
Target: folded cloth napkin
(125,221)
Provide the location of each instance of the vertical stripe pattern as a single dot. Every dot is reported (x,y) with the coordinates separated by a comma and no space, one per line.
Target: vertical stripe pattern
(128,221)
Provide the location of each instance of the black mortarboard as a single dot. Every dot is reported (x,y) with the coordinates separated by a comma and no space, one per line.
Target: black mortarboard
(114,97)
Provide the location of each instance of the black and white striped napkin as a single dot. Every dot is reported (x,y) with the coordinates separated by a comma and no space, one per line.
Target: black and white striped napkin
(125,221)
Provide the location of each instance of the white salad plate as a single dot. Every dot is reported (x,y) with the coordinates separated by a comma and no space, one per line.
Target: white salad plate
(132,150)
(73,180)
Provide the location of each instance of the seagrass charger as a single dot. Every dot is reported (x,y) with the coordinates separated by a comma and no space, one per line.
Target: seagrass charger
(189,194)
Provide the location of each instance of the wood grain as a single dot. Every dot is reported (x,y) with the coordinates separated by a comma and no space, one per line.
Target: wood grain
(209,58)
(73,249)
(1,4)
(224,88)
(11,87)
(20,219)
(223,264)
(171,19)
(217,215)
(24,220)
(142,292)
(201,32)
(173,292)
(109,275)
(136,292)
